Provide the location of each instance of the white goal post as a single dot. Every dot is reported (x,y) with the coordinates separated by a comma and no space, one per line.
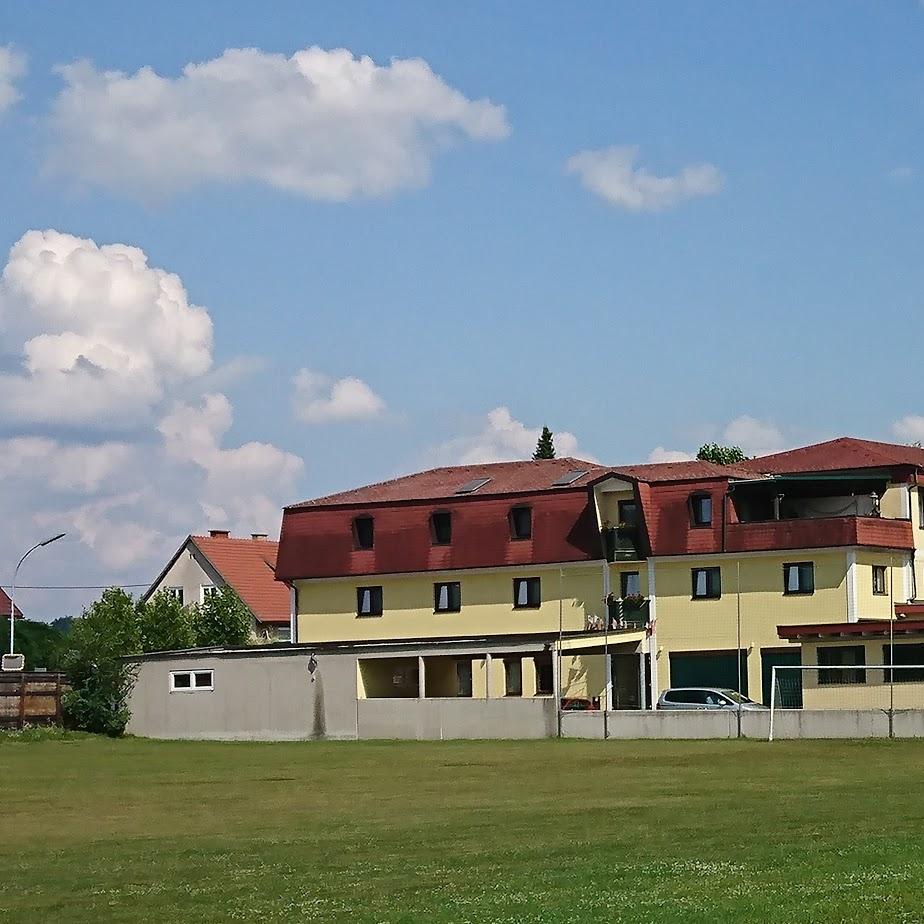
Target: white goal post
(847,686)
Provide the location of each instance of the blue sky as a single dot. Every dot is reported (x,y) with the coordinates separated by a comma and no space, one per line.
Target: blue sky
(785,292)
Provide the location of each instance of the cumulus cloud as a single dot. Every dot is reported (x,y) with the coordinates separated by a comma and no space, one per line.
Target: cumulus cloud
(245,486)
(502,438)
(12,67)
(102,334)
(755,437)
(62,466)
(321,124)
(909,428)
(660,454)
(318,398)
(612,174)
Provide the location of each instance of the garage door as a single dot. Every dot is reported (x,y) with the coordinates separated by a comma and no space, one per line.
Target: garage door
(709,669)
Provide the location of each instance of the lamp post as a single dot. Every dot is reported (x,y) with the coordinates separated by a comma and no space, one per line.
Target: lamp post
(37,545)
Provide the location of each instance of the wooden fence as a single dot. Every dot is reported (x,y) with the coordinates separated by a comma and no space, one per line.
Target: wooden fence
(30,698)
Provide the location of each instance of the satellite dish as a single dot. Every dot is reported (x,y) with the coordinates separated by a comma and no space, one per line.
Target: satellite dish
(13,662)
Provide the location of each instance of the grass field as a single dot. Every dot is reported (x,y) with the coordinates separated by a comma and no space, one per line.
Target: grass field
(552,831)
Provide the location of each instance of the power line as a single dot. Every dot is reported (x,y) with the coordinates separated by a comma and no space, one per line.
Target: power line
(70,586)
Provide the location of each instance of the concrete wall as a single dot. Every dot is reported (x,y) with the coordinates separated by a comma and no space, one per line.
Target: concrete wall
(456,718)
(269,697)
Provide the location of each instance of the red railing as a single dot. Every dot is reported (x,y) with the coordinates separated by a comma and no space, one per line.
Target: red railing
(815,533)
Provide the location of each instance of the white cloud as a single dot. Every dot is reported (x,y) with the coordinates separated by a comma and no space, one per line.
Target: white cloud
(64,467)
(321,124)
(909,428)
(12,67)
(755,437)
(501,438)
(612,174)
(246,486)
(660,454)
(103,335)
(317,398)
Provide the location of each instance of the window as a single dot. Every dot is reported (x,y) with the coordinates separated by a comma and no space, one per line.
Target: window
(441,527)
(470,487)
(688,697)
(521,523)
(526,593)
(464,678)
(545,675)
(176,593)
(707,583)
(364,532)
(206,591)
(879,579)
(447,597)
(701,509)
(799,578)
(832,655)
(629,584)
(627,512)
(191,681)
(513,677)
(904,654)
(368,601)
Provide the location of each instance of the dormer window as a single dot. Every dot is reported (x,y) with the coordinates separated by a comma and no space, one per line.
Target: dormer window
(364,532)
(441,527)
(521,523)
(701,509)
(627,513)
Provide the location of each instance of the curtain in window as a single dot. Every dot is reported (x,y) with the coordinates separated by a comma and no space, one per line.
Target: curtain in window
(792,578)
(523,593)
(365,605)
(701,584)
(443,597)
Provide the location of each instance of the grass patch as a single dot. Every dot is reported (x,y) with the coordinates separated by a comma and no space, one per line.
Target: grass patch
(493,832)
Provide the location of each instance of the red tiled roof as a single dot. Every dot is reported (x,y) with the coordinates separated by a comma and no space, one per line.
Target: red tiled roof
(5,605)
(442,483)
(866,627)
(249,566)
(695,470)
(842,454)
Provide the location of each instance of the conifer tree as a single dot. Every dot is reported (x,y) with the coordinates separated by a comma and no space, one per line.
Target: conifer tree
(545,447)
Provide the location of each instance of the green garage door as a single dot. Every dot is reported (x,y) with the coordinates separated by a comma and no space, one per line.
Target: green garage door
(790,681)
(709,669)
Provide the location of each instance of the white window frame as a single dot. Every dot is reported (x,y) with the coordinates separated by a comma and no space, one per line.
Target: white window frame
(193,687)
(206,590)
(177,592)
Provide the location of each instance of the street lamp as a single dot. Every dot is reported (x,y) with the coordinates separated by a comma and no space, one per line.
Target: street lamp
(37,545)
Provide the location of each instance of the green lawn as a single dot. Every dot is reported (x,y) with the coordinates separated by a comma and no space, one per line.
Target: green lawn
(99,830)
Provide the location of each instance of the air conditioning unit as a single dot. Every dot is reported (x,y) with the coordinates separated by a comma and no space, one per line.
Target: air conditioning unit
(13,662)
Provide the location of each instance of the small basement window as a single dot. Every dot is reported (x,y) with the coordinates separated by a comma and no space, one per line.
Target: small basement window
(364,532)
(191,681)
(441,527)
(799,578)
(527,593)
(521,523)
(368,601)
(701,509)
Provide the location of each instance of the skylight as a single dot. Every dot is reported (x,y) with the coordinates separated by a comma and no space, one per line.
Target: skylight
(470,487)
(569,477)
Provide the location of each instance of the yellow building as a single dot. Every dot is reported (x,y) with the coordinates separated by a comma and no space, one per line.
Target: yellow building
(626,580)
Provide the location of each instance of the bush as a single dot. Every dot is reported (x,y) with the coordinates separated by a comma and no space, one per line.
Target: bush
(222,619)
(164,624)
(108,630)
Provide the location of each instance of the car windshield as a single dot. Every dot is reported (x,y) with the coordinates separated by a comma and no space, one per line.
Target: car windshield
(736,697)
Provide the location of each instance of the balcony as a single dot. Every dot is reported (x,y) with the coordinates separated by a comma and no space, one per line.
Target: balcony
(627,613)
(819,532)
(620,543)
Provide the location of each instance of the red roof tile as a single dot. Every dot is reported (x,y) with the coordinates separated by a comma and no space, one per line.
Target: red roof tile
(442,483)
(249,566)
(841,454)
(654,472)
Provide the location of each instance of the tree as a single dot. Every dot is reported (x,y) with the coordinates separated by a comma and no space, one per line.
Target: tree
(545,446)
(93,659)
(720,455)
(165,624)
(39,642)
(222,619)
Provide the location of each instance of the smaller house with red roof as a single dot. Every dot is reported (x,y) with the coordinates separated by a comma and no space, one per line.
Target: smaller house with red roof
(202,564)
(5,604)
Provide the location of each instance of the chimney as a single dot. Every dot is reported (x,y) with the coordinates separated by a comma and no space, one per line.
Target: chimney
(219,533)
(258,535)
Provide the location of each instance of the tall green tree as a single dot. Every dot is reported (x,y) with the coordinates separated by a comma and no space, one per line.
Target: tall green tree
(720,455)
(93,656)
(165,624)
(222,619)
(39,642)
(545,446)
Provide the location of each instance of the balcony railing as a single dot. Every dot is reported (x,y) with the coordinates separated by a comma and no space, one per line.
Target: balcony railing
(620,543)
(627,613)
(818,532)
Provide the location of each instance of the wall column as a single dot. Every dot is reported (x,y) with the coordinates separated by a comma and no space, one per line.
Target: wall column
(653,632)
(487,675)
(608,682)
(421,678)
(852,614)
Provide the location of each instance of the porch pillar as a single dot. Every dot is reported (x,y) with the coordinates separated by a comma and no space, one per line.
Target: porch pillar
(421,678)
(608,685)
(487,675)
(642,686)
